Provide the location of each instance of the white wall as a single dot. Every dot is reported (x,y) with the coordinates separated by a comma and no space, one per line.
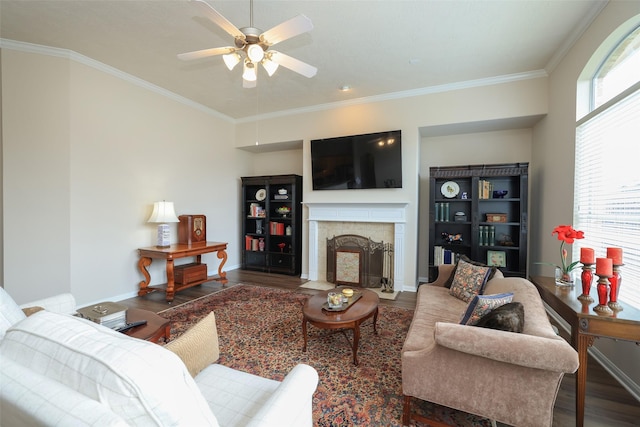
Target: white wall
(85,156)
(507,146)
(553,161)
(514,99)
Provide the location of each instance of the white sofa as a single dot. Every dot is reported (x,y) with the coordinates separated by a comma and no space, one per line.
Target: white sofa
(66,371)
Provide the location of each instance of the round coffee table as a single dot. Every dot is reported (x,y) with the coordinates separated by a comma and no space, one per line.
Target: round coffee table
(351,318)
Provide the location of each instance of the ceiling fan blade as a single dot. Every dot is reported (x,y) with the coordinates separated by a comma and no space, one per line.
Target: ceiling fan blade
(291,28)
(293,64)
(218,19)
(204,53)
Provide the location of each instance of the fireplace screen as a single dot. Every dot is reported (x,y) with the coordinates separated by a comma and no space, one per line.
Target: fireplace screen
(359,261)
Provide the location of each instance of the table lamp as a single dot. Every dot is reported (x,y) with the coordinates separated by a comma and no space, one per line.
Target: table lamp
(163,213)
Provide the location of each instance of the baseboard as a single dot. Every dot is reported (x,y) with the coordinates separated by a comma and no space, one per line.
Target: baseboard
(631,386)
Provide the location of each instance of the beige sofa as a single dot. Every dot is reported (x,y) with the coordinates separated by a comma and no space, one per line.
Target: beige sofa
(508,377)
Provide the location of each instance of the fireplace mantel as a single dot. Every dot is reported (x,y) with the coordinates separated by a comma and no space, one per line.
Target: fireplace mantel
(381,212)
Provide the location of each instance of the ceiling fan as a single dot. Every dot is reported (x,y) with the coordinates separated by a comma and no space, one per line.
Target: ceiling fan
(251,45)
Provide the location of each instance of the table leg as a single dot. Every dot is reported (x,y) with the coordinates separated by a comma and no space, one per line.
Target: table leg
(223,256)
(171,284)
(375,321)
(356,340)
(583,342)
(304,334)
(143,263)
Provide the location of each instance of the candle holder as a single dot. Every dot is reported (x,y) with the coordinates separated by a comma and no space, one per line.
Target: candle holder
(587,280)
(614,288)
(603,284)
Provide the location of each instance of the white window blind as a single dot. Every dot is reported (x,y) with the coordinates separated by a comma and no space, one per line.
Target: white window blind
(607,186)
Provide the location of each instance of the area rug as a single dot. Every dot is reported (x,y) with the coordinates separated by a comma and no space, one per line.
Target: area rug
(323,286)
(260,331)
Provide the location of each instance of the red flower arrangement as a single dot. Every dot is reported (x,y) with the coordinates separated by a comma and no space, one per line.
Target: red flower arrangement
(567,235)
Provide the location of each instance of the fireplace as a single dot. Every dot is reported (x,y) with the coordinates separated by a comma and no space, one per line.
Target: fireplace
(383,222)
(359,261)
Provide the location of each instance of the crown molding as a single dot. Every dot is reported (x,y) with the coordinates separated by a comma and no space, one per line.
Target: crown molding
(107,69)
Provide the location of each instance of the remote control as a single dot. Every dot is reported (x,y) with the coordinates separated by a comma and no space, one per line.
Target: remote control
(128,326)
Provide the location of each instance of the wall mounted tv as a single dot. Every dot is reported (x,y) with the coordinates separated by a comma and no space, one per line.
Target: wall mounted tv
(357,162)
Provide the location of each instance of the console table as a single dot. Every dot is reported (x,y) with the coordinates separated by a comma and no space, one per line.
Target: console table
(172,253)
(586,326)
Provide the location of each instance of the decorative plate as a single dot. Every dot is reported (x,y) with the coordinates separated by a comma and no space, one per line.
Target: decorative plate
(261,194)
(450,189)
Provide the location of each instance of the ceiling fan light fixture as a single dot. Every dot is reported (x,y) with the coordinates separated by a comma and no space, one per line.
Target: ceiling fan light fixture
(250,73)
(269,66)
(255,53)
(231,60)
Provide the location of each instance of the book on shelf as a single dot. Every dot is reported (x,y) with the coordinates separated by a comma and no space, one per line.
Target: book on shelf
(485,189)
(444,256)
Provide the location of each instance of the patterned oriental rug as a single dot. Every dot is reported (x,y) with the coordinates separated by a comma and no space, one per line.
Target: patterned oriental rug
(260,331)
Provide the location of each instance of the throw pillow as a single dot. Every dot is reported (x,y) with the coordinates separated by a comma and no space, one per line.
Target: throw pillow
(465,258)
(509,317)
(468,281)
(483,304)
(28,311)
(198,347)
(10,312)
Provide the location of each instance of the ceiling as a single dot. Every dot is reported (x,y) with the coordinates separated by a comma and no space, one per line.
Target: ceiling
(380,48)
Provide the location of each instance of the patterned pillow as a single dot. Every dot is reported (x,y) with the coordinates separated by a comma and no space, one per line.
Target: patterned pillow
(449,281)
(469,280)
(483,304)
(198,347)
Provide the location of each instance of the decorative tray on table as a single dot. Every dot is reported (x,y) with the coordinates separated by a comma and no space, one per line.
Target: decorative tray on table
(345,305)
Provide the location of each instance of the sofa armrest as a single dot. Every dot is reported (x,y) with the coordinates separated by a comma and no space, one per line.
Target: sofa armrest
(63,303)
(444,272)
(291,404)
(509,347)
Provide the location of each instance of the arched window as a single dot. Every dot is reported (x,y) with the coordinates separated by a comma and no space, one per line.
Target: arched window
(607,171)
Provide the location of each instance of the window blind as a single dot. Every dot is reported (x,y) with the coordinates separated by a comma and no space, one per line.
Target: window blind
(607,186)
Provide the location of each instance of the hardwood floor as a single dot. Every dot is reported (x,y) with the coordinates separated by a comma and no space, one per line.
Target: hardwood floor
(607,403)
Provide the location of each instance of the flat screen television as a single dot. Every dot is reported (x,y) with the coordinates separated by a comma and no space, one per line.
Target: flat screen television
(372,160)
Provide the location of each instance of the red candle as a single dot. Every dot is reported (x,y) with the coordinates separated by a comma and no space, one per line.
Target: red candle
(604,267)
(587,255)
(615,254)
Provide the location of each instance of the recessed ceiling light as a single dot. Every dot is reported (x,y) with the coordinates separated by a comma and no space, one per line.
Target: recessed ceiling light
(345,88)
(414,61)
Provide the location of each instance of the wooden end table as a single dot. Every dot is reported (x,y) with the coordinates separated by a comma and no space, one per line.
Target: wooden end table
(351,318)
(586,326)
(156,328)
(172,253)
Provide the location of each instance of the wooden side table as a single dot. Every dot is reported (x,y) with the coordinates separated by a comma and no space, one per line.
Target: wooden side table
(157,327)
(586,326)
(172,253)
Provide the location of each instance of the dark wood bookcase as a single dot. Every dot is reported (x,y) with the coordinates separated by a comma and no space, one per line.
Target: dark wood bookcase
(272,224)
(484,227)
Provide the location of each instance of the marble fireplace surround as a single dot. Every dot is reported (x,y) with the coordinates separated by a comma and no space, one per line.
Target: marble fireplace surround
(392,213)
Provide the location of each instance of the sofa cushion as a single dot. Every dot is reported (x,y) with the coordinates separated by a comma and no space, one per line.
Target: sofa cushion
(468,280)
(142,382)
(465,258)
(10,312)
(480,305)
(508,317)
(198,347)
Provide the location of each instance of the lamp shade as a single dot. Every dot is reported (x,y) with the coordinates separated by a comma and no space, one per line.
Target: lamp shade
(163,212)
